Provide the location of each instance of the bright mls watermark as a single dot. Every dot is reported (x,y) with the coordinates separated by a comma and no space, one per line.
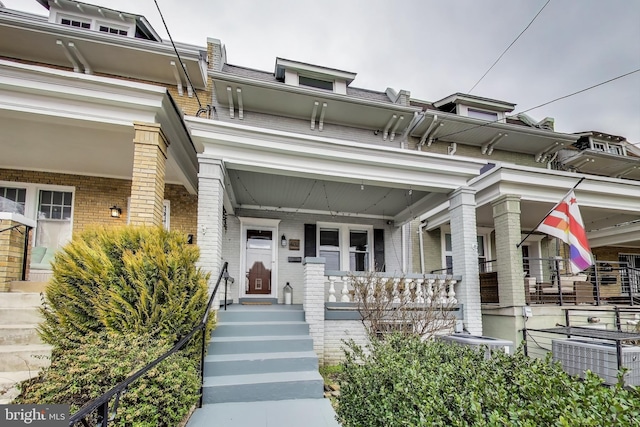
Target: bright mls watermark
(34,415)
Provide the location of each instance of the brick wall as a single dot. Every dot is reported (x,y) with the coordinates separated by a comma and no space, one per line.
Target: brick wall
(95,195)
(610,253)
(11,253)
(336,332)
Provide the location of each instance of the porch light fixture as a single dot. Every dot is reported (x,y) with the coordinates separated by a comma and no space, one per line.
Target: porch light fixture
(115,211)
(283,241)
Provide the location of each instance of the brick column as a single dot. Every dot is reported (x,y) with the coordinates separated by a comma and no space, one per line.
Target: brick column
(147,183)
(462,210)
(210,203)
(506,217)
(313,302)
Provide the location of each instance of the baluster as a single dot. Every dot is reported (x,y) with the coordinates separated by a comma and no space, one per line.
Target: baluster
(332,289)
(396,291)
(419,297)
(442,292)
(452,293)
(345,290)
(406,293)
(430,283)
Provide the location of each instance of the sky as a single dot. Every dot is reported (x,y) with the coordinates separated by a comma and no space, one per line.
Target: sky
(434,48)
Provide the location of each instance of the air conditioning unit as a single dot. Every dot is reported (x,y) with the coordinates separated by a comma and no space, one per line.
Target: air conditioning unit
(578,355)
(479,341)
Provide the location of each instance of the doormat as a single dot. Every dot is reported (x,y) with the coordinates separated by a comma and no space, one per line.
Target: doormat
(255,303)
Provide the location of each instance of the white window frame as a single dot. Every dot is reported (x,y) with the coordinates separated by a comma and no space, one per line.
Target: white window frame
(81,19)
(610,148)
(128,28)
(32,199)
(484,233)
(344,230)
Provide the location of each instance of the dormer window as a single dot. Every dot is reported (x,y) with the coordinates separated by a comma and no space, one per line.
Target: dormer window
(316,83)
(112,30)
(490,116)
(75,22)
(608,148)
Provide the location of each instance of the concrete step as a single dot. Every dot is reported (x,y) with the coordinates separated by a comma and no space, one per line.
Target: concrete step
(9,382)
(261,316)
(282,413)
(27,286)
(20,299)
(24,357)
(260,363)
(260,344)
(231,329)
(12,316)
(19,334)
(261,387)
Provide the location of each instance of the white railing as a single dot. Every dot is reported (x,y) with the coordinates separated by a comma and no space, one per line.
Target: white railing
(419,289)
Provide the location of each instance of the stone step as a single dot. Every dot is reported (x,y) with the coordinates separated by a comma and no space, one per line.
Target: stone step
(261,387)
(231,329)
(260,363)
(12,316)
(19,334)
(27,286)
(24,357)
(20,299)
(282,315)
(260,344)
(9,382)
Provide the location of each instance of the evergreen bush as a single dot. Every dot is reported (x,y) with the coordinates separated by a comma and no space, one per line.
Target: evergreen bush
(132,279)
(97,362)
(404,381)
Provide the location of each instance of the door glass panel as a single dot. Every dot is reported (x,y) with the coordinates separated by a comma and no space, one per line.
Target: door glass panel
(259,259)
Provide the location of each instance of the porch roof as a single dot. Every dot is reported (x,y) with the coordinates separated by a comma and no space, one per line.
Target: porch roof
(607,205)
(65,122)
(290,172)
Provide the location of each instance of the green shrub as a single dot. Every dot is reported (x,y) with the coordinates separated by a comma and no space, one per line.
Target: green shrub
(407,382)
(97,362)
(132,279)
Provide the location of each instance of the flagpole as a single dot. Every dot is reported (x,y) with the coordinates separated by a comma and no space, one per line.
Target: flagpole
(551,210)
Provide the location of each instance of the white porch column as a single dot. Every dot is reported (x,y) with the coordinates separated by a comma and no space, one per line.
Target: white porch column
(313,302)
(464,240)
(210,200)
(506,216)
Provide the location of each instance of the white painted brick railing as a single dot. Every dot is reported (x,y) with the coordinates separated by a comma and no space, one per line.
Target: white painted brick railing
(419,289)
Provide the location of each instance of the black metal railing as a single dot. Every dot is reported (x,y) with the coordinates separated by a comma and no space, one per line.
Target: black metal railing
(25,247)
(101,403)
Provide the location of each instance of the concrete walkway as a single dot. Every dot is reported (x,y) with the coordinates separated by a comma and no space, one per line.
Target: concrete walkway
(279,413)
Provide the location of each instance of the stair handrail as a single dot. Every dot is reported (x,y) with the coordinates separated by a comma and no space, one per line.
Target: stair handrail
(101,403)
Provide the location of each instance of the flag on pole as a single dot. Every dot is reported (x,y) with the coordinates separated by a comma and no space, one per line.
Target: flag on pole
(565,223)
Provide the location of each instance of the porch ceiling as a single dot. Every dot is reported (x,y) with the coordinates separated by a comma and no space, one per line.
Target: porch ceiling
(255,190)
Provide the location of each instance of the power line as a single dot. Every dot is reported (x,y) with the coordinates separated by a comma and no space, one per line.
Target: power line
(543,104)
(509,47)
(178,55)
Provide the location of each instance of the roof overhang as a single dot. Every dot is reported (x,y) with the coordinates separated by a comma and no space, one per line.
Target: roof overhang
(276,170)
(476,101)
(542,144)
(604,202)
(601,163)
(65,122)
(34,39)
(275,98)
(310,69)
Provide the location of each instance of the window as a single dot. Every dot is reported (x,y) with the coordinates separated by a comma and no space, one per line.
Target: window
(526,262)
(615,149)
(330,247)
(483,264)
(483,115)
(317,83)
(346,247)
(53,227)
(12,199)
(448,253)
(608,148)
(599,146)
(76,23)
(112,30)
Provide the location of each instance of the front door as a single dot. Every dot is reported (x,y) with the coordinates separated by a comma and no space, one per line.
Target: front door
(259,260)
